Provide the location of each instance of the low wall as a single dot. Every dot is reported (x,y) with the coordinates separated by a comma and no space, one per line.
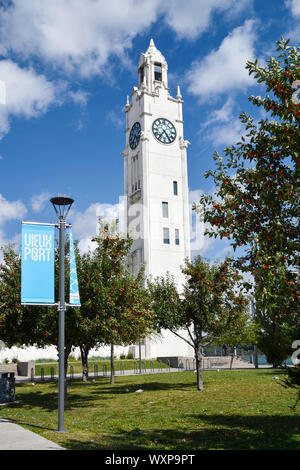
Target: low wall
(219,361)
(189,362)
(22,369)
(178,361)
(7,368)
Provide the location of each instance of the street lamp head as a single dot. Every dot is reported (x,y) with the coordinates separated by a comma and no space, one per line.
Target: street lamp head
(62,205)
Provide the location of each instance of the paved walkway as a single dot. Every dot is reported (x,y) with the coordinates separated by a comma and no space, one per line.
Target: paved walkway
(14,437)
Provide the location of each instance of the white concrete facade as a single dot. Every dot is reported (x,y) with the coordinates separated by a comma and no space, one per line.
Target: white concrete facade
(156,185)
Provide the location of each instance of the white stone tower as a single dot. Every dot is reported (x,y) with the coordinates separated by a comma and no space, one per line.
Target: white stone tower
(156,183)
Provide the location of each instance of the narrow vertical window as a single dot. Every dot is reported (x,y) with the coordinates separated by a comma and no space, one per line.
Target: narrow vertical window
(141,75)
(175,188)
(157,72)
(165,209)
(166,236)
(176,236)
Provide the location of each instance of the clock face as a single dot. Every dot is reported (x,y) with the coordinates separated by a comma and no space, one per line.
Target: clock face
(135,135)
(164,131)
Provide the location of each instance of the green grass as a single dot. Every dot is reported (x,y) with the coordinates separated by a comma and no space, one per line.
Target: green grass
(238,409)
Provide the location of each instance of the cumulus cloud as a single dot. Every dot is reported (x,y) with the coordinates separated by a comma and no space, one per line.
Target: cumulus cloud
(85,224)
(200,244)
(11,210)
(223,127)
(294,6)
(39,201)
(80,35)
(192,18)
(28,94)
(74,35)
(294,27)
(223,69)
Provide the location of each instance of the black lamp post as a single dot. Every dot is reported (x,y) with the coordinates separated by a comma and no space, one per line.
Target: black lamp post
(61,206)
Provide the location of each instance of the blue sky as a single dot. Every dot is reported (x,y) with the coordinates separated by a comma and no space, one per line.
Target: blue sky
(67,67)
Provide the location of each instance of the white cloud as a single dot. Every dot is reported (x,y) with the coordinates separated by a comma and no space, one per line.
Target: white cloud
(80,97)
(223,114)
(10,210)
(200,244)
(75,35)
(223,126)
(294,6)
(115,118)
(38,202)
(85,224)
(294,32)
(27,93)
(80,35)
(223,70)
(192,18)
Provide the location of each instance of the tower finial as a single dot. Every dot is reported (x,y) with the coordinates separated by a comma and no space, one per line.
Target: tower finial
(151,44)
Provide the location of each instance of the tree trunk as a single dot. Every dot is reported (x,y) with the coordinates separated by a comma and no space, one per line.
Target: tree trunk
(199,357)
(68,349)
(112,364)
(231,359)
(84,361)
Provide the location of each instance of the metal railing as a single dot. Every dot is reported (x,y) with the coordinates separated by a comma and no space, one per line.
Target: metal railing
(135,367)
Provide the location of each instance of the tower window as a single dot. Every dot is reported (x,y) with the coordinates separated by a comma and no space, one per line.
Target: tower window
(175,188)
(165,209)
(157,72)
(176,236)
(141,75)
(166,236)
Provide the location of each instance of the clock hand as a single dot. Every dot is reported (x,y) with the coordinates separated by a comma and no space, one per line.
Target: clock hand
(166,134)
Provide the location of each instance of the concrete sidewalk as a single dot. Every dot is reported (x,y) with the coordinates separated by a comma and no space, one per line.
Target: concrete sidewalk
(14,437)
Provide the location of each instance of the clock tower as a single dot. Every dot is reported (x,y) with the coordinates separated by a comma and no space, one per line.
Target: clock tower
(156,184)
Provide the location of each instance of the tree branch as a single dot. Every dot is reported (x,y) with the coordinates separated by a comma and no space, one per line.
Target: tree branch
(184,339)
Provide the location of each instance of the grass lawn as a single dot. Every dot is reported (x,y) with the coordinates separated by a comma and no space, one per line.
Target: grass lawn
(238,409)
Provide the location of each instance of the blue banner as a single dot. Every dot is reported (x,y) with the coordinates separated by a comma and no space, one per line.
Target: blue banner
(37,268)
(74,290)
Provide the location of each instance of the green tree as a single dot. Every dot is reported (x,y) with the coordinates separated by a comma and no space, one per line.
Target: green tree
(113,295)
(243,330)
(18,324)
(256,203)
(212,303)
(32,325)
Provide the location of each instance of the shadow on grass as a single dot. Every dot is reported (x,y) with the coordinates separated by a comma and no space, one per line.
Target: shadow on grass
(217,432)
(89,394)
